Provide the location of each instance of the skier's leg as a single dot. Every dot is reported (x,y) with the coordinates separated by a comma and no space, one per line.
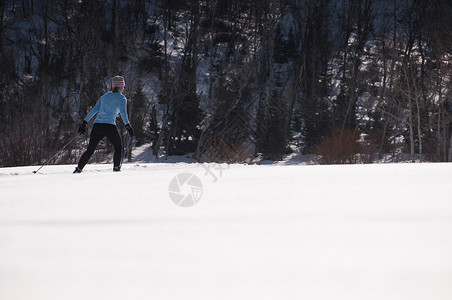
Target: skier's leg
(114,137)
(96,136)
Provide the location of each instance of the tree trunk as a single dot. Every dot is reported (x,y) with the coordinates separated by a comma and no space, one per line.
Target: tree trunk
(419,129)
(410,125)
(449,159)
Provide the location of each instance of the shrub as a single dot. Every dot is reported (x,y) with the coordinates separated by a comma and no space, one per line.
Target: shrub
(341,147)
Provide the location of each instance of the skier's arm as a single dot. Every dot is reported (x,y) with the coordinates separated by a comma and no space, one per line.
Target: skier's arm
(94,111)
(123,111)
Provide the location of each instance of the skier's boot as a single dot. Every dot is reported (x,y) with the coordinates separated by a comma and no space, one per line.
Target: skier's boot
(77,170)
(117,169)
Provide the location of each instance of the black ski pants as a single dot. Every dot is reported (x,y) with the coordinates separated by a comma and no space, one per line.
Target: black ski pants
(99,131)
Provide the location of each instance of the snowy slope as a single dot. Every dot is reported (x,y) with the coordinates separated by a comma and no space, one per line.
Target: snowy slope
(257,232)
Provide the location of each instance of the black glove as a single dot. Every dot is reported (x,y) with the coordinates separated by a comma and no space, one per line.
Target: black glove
(129,129)
(82,127)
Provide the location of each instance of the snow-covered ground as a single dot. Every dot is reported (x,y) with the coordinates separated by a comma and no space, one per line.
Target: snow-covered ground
(258,232)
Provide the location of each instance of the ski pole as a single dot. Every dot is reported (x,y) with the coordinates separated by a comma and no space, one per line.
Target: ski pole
(56,154)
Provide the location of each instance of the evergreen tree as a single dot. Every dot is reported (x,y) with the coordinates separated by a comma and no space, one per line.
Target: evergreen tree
(228,127)
(138,115)
(272,128)
(185,115)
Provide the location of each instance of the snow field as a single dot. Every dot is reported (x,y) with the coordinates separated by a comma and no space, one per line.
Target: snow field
(258,232)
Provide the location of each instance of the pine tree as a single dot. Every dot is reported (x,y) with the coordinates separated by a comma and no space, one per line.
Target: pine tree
(185,115)
(228,127)
(138,107)
(272,128)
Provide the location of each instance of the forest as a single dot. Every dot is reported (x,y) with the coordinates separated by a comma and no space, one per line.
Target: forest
(340,81)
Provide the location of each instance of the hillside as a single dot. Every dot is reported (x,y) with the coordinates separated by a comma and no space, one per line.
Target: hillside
(217,77)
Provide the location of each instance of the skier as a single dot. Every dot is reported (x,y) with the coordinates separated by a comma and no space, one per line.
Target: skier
(107,107)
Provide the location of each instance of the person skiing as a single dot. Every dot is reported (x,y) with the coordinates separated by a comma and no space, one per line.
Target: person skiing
(106,108)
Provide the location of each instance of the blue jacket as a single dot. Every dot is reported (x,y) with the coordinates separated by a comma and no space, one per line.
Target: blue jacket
(107,107)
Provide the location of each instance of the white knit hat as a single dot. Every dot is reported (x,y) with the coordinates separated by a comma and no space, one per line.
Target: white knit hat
(117,81)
